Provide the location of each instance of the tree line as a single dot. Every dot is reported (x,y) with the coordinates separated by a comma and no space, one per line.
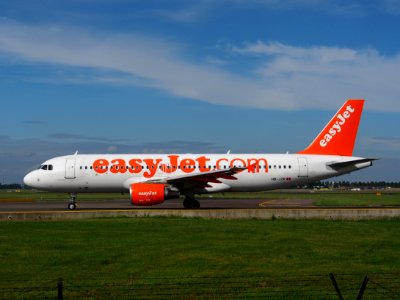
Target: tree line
(357,184)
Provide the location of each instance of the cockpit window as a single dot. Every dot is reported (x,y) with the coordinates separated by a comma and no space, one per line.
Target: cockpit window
(46,167)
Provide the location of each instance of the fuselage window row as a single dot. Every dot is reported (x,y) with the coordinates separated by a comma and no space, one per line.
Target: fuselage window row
(50,167)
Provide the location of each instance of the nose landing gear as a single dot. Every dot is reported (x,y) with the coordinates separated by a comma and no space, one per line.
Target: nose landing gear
(72,200)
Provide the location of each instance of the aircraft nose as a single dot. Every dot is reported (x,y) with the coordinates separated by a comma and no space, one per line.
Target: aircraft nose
(28,180)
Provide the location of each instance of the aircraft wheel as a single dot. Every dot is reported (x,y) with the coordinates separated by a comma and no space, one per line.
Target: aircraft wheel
(187,204)
(191,203)
(71,206)
(195,204)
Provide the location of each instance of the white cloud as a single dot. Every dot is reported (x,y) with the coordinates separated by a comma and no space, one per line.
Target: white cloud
(323,54)
(286,77)
(317,73)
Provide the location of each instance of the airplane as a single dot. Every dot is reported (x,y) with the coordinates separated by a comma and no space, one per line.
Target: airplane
(151,179)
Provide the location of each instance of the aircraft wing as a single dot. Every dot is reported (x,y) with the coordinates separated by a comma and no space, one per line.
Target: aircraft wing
(200,180)
(195,180)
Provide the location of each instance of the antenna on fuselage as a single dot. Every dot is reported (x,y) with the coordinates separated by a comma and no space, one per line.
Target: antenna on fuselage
(76,152)
(229,151)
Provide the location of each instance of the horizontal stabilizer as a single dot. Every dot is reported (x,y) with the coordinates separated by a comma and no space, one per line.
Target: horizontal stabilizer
(350,163)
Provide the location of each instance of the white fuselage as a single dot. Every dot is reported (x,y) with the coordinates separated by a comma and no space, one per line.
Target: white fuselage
(116,172)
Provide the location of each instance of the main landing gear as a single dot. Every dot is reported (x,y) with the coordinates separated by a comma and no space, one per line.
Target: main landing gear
(191,202)
(72,200)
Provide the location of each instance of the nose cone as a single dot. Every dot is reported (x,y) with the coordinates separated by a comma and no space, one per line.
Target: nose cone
(28,180)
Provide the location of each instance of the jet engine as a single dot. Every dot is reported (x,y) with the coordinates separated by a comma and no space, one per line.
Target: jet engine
(146,194)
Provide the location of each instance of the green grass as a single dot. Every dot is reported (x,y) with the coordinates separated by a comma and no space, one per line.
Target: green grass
(159,250)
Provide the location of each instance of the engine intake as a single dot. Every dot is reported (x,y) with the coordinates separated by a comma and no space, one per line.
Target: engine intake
(146,194)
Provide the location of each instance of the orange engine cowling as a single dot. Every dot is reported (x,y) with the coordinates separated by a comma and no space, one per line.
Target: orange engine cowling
(146,194)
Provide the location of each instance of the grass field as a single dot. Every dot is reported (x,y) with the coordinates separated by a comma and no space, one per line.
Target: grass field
(190,258)
(322,198)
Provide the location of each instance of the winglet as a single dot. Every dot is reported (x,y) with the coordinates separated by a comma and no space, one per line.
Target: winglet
(339,135)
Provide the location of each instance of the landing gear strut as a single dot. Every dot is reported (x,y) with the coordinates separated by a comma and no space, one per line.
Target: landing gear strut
(191,202)
(72,204)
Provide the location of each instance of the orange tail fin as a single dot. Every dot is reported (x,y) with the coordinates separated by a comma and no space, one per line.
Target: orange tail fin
(339,135)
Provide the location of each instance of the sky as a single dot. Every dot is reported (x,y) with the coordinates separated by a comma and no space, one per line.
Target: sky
(158,76)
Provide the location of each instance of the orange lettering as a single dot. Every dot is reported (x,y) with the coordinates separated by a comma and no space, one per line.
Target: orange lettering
(118,166)
(152,167)
(218,162)
(202,161)
(187,165)
(243,163)
(171,167)
(255,163)
(135,166)
(100,165)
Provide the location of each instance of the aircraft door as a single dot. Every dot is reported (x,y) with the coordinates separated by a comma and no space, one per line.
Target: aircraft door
(70,168)
(303,167)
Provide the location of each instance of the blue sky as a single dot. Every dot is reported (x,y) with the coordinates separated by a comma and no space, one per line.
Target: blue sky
(195,76)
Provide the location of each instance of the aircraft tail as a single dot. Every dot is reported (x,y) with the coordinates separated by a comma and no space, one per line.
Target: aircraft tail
(339,135)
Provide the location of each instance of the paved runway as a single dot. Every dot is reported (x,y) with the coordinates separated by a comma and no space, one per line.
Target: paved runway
(118,204)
